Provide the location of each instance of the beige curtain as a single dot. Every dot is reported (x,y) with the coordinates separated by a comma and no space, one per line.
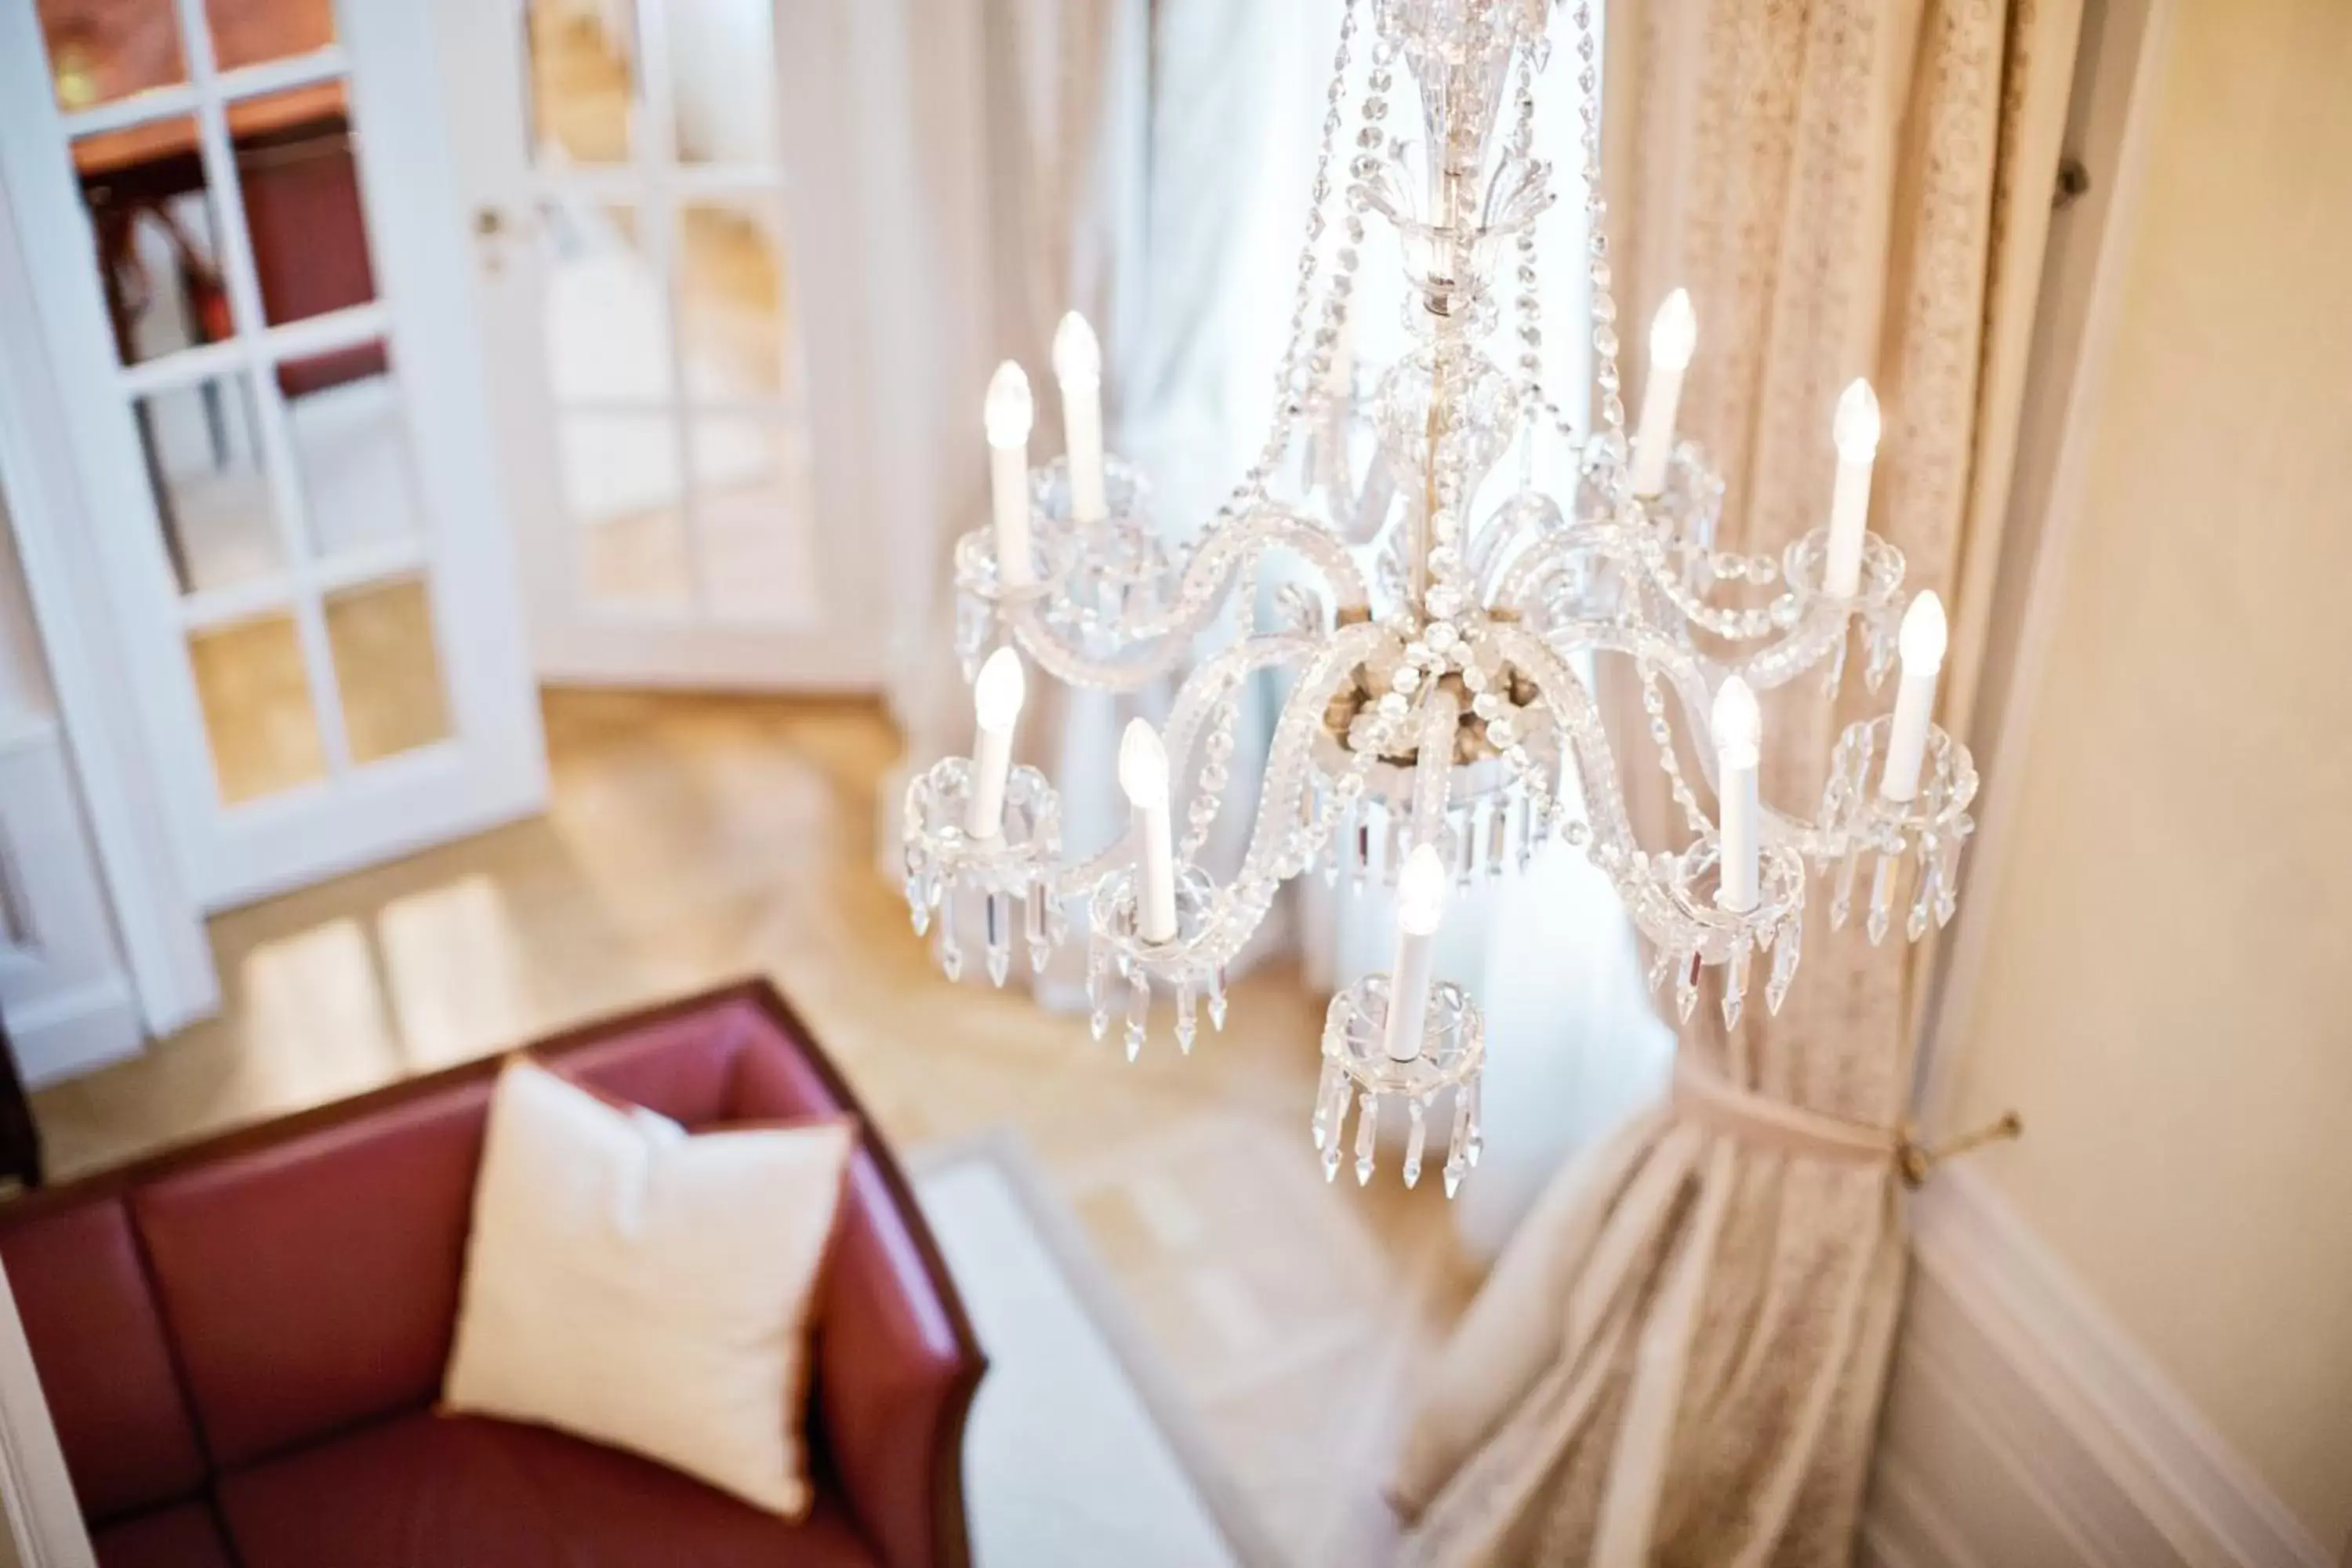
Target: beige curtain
(1679,1357)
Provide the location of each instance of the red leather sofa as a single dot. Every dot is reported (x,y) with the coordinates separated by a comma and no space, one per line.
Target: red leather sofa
(241,1342)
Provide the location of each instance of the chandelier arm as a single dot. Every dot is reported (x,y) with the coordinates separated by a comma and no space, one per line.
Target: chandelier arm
(1814,631)
(1198,697)
(1194,702)
(1039,636)
(1667,580)
(1518,577)
(1654,887)
(1154,645)
(1570,703)
(1635,546)
(1228,549)
(1687,674)
(1684,671)
(1810,624)
(1238,909)
(1079,880)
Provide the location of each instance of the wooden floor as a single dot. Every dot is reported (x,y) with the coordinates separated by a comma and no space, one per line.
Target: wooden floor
(693,840)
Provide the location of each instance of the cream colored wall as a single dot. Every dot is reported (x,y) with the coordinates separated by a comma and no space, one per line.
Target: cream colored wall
(2166,991)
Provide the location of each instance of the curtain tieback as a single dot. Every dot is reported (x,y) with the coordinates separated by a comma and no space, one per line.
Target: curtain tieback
(1704,1095)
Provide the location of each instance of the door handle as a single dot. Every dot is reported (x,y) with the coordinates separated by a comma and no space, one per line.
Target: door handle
(493,226)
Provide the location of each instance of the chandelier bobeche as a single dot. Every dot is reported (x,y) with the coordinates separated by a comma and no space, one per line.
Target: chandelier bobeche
(1440,725)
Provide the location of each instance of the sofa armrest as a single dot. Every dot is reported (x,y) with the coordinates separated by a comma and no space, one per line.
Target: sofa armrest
(897,1368)
(896,1363)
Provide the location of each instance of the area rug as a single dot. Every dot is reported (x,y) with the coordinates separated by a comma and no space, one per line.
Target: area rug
(1078,1452)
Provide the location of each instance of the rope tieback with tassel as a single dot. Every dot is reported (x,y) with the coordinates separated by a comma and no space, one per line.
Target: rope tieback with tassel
(1704,1095)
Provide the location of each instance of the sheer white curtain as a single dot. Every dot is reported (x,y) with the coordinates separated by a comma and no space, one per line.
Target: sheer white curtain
(1017,195)
(1089,151)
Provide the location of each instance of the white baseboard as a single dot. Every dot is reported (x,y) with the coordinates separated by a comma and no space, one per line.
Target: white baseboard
(63,1036)
(2023,1428)
(63,986)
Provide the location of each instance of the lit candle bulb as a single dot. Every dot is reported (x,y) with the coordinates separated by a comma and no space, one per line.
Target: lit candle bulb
(1673,333)
(1855,431)
(1738,733)
(996,699)
(1921,643)
(1007,414)
(1078,366)
(1420,904)
(1143,774)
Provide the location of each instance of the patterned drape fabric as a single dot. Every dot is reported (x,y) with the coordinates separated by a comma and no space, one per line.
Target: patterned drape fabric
(1679,1358)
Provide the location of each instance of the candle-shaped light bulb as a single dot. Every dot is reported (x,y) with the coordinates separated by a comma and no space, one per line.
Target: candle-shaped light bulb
(1142,763)
(1143,774)
(1924,635)
(1421,905)
(1855,431)
(1001,688)
(1855,426)
(1078,353)
(1008,410)
(1674,335)
(1007,415)
(1420,891)
(1737,729)
(1077,367)
(1921,643)
(996,699)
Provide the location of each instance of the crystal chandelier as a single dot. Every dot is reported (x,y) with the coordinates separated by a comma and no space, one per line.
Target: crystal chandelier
(1442,720)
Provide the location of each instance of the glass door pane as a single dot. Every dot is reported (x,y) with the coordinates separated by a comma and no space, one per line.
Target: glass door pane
(731,293)
(254,31)
(256,691)
(347,420)
(388,667)
(203,445)
(220,232)
(156,236)
(582,91)
(103,51)
(282,483)
(672,363)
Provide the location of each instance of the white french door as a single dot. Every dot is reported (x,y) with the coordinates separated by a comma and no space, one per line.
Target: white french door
(664,224)
(249,264)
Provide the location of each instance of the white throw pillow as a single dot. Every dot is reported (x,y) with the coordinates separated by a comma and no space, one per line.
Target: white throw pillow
(634,1285)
